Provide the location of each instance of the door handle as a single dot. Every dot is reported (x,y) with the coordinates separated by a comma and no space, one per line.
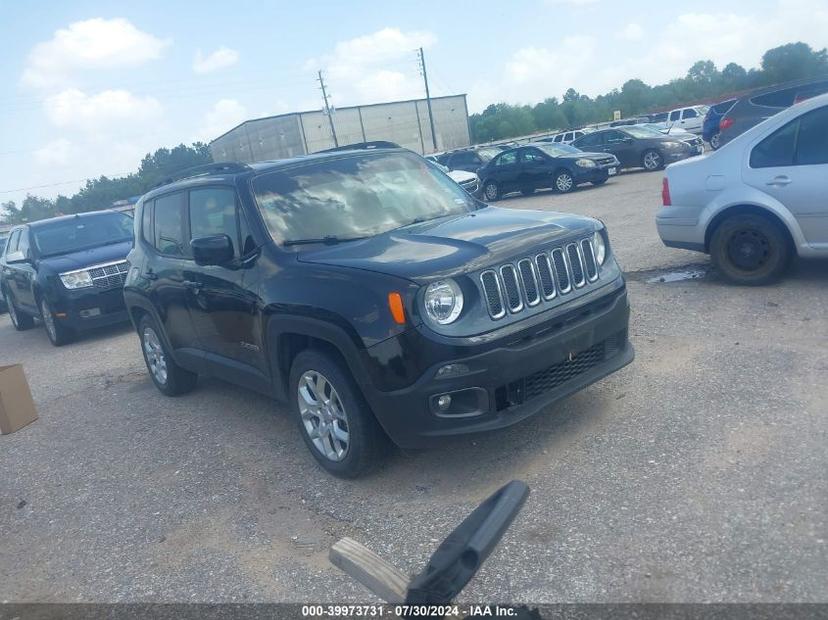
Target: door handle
(780,181)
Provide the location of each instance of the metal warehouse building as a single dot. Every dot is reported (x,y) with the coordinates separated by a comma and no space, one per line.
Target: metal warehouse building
(300,133)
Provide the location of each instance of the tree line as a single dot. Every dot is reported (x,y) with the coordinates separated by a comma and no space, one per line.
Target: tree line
(703,82)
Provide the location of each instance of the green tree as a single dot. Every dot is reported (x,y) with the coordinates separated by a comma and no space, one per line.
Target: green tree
(793,61)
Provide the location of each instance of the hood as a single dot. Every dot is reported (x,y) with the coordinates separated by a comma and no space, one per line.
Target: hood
(456,244)
(461,176)
(585,155)
(88,257)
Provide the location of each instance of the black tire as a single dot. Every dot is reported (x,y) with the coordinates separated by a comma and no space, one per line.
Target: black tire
(58,334)
(175,380)
(491,191)
(600,181)
(652,160)
(20,320)
(563,182)
(527,191)
(750,250)
(715,141)
(366,442)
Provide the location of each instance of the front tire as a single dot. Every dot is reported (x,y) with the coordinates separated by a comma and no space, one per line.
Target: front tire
(20,320)
(170,378)
(336,423)
(749,250)
(491,191)
(58,334)
(564,181)
(652,160)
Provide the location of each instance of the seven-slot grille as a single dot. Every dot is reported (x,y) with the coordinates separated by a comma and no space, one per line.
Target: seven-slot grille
(528,281)
(111,275)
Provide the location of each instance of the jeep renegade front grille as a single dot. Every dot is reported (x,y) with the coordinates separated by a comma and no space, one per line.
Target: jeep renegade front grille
(529,281)
(111,275)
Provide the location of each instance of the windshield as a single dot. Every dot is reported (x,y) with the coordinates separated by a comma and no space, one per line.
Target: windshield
(82,233)
(355,197)
(637,131)
(558,150)
(487,154)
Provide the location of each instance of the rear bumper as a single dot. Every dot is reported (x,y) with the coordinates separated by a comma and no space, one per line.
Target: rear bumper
(89,308)
(678,229)
(511,380)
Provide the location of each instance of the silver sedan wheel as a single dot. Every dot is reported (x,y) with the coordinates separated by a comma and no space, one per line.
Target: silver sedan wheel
(48,319)
(652,160)
(156,360)
(564,182)
(323,415)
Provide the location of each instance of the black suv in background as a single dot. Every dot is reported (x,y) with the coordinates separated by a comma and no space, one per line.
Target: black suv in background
(374,295)
(638,146)
(469,159)
(68,271)
(542,166)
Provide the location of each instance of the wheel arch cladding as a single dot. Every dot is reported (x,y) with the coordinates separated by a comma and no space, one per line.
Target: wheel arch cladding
(747,210)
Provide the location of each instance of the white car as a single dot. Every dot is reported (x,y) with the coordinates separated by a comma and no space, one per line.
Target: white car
(564,137)
(469,181)
(757,200)
(689,118)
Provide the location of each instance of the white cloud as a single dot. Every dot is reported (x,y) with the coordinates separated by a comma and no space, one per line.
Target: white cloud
(108,109)
(56,153)
(632,32)
(222,58)
(91,44)
(358,69)
(223,116)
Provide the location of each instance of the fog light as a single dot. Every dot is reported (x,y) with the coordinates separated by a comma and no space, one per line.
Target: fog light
(443,402)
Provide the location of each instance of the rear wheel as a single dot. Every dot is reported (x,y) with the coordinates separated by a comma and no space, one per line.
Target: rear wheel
(749,249)
(652,160)
(335,421)
(170,378)
(58,334)
(564,182)
(491,191)
(714,141)
(20,320)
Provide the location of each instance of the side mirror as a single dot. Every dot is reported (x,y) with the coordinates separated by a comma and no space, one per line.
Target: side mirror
(16,257)
(212,250)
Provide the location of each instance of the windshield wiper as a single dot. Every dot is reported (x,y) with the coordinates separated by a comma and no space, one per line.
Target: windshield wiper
(327,239)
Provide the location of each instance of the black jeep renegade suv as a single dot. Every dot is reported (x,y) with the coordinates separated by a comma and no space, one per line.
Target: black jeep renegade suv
(375,296)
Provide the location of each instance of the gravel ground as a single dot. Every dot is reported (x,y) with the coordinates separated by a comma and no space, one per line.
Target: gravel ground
(696,474)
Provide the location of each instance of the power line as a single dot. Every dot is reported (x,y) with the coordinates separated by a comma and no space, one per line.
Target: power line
(25,189)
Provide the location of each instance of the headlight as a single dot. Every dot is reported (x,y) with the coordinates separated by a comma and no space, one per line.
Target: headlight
(600,247)
(674,145)
(585,163)
(76,279)
(443,301)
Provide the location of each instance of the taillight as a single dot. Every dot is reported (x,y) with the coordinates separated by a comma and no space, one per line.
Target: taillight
(665,192)
(725,123)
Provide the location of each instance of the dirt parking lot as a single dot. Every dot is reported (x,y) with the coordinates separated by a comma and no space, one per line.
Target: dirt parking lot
(698,473)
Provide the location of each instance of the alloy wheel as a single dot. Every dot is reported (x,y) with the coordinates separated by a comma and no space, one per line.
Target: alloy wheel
(652,160)
(323,415)
(714,141)
(491,191)
(48,320)
(563,182)
(156,360)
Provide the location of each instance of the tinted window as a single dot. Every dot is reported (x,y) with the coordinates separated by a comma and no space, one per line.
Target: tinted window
(82,233)
(674,116)
(2,245)
(776,99)
(777,149)
(593,139)
(213,212)
(689,113)
(146,222)
(530,155)
(812,144)
(506,159)
(462,159)
(558,138)
(169,225)
(614,137)
(355,196)
(724,106)
(248,244)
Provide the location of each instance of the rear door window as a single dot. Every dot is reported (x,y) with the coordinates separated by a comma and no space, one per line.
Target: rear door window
(594,139)
(507,159)
(170,231)
(23,243)
(558,138)
(614,137)
(812,142)
(146,222)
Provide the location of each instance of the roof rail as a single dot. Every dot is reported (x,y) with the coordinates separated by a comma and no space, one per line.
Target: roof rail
(364,146)
(230,167)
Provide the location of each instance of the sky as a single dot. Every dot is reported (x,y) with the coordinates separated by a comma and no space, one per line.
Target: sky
(90,86)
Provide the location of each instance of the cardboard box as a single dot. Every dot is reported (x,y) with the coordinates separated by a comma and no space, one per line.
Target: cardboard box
(17,408)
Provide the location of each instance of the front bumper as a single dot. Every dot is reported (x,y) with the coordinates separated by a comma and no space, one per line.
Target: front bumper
(88,308)
(510,379)
(600,173)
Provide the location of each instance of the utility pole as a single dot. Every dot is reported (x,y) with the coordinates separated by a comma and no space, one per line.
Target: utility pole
(327,108)
(421,56)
